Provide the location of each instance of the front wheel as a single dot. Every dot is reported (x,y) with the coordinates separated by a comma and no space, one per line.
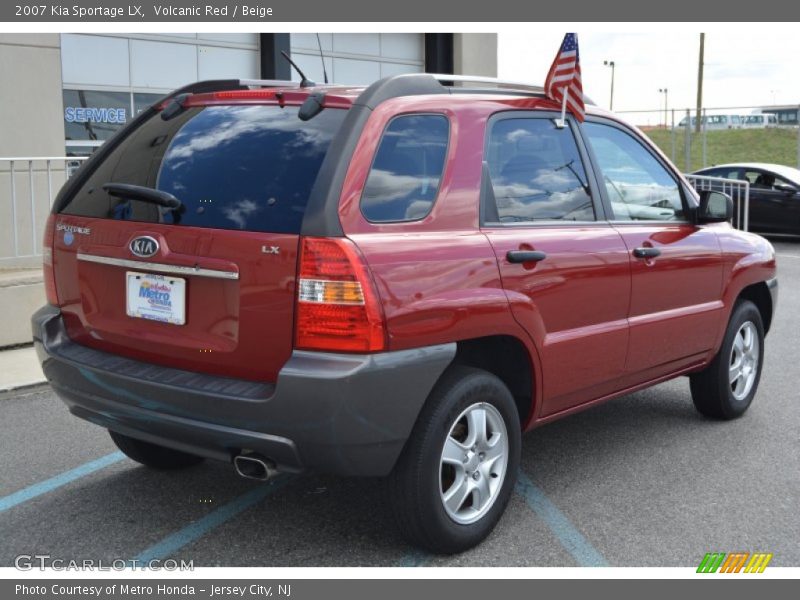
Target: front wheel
(726,388)
(456,474)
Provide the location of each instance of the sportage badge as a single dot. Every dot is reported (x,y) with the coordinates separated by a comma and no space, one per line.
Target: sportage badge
(143,246)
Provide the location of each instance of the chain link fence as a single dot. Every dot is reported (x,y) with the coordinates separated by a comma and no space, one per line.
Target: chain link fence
(723,134)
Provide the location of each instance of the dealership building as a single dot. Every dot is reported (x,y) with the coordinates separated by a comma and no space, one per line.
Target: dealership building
(63,95)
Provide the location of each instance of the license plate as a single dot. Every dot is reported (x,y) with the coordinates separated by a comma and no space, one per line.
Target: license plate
(156,297)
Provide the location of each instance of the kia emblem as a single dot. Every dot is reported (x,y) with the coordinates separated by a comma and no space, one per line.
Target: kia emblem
(143,246)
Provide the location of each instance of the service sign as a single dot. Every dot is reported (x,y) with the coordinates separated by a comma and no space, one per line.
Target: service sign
(80,114)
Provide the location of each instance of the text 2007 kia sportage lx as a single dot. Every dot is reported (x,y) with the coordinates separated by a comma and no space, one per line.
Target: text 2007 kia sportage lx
(393,281)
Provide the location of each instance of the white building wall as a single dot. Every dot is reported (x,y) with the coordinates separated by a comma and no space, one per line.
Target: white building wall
(475,54)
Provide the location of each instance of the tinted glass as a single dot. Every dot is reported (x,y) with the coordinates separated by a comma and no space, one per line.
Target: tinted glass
(537,173)
(764,180)
(725,173)
(638,186)
(232,167)
(404,179)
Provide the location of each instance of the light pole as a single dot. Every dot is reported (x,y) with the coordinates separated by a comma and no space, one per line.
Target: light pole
(612,64)
(665,91)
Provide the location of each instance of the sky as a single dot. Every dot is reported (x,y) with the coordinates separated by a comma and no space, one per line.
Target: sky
(742,68)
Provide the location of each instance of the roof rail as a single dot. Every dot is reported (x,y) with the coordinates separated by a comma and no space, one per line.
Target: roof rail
(501,83)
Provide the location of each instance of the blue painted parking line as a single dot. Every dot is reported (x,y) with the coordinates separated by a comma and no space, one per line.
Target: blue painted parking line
(415,558)
(194,531)
(48,485)
(568,535)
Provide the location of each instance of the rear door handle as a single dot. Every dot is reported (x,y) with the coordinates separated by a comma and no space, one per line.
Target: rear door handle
(646,252)
(523,256)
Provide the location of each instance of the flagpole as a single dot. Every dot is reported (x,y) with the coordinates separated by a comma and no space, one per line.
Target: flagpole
(562,122)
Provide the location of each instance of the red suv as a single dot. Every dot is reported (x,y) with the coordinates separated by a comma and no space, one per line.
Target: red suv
(391,281)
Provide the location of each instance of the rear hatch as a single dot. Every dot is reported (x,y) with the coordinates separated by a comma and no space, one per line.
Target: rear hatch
(208,286)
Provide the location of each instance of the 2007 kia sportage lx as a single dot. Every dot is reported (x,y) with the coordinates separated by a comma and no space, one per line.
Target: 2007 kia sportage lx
(392,281)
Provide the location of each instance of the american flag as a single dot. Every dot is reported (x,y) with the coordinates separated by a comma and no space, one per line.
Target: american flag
(565,73)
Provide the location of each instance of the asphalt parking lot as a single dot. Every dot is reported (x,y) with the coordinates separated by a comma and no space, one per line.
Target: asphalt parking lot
(641,481)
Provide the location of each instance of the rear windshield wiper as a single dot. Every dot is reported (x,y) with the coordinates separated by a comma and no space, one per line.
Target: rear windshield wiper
(145,194)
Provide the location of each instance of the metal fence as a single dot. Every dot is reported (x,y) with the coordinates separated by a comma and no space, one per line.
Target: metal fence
(28,185)
(738,190)
(715,141)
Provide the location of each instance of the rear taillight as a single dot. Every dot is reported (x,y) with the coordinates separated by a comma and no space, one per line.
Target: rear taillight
(47,261)
(337,307)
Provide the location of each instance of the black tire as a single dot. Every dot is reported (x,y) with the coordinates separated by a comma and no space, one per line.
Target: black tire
(414,487)
(712,391)
(152,455)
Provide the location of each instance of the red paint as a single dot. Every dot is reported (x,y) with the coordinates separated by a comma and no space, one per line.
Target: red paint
(596,321)
(245,323)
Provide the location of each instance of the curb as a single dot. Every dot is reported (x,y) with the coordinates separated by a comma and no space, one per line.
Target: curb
(19,368)
(21,386)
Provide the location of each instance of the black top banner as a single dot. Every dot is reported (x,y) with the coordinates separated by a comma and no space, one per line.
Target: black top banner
(265,11)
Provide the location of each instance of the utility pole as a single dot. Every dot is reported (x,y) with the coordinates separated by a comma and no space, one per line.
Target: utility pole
(700,82)
(665,91)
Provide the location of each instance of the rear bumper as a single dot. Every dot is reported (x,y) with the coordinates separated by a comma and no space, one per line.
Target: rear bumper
(338,413)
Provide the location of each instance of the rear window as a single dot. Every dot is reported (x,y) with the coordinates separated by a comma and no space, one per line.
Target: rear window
(232,167)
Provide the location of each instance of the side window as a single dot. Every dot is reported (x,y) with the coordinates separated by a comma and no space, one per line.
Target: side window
(760,179)
(536,172)
(764,180)
(638,186)
(726,173)
(404,179)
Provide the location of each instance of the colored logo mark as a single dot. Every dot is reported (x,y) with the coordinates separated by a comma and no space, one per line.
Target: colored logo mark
(736,562)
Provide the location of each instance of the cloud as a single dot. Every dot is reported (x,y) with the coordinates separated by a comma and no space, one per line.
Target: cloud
(384,186)
(240,212)
(219,126)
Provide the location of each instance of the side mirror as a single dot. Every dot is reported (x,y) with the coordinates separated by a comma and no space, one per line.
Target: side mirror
(715,207)
(785,187)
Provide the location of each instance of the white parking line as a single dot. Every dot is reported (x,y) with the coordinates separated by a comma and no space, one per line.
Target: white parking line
(787,255)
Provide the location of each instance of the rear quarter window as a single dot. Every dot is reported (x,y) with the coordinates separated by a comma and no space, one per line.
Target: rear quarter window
(232,167)
(404,179)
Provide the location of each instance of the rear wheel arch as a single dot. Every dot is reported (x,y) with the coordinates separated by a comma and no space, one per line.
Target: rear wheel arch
(507,358)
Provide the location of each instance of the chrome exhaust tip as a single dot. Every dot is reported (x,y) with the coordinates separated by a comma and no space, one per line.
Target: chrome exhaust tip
(252,466)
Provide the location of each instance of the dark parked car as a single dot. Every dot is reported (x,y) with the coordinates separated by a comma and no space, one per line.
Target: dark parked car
(774,194)
(394,281)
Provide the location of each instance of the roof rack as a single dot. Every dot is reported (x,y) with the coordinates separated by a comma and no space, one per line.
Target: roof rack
(505,84)
(397,85)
